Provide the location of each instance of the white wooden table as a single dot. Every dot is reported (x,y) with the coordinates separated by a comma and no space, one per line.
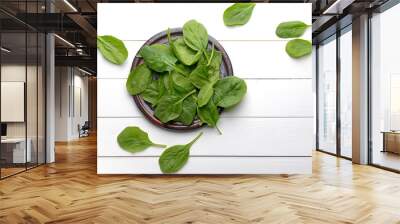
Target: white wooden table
(20,155)
(270,132)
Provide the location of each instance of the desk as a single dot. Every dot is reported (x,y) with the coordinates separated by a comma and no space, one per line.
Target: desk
(391,142)
(18,151)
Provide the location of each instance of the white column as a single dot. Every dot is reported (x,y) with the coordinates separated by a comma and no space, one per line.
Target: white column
(360,90)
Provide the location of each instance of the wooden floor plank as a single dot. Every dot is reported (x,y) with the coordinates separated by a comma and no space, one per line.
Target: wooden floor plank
(70,191)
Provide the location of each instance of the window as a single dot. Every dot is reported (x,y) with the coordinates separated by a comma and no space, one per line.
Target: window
(385,89)
(327,96)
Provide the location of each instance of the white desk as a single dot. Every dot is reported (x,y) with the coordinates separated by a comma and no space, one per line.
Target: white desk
(19,153)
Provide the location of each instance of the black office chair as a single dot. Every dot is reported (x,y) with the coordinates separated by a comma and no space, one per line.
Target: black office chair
(84,130)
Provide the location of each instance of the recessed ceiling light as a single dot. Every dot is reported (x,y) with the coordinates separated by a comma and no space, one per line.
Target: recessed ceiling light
(70,5)
(5,50)
(64,40)
(84,71)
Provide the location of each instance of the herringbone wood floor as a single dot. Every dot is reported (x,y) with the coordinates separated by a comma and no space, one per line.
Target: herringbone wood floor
(69,191)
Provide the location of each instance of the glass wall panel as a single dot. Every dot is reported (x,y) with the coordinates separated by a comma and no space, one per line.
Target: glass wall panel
(41,79)
(13,94)
(346,93)
(327,96)
(31,100)
(385,87)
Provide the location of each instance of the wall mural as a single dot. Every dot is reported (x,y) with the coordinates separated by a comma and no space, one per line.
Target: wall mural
(171,76)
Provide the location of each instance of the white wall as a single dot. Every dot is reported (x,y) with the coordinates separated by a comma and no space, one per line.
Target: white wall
(70,83)
(270,131)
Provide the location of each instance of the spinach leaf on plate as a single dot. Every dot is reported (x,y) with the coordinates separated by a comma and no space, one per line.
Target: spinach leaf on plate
(203,75)
(195,35)
(291,29)
(158,57)
(175,157)
(185,54)
(189,110)
(298,48)
(181,83)
(229,91)
(112,49)
(170,107)
(138,79)
(133,139)
(238,14)
(154,92)
(205,94)
(209,114)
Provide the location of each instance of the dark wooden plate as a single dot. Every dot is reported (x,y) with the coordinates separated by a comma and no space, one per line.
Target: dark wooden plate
(147,110)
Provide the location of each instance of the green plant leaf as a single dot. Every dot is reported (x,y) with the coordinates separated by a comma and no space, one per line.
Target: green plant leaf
(133,139)
(238,14)
(158,57)
(203,75)
(298,48)
(170,107)
(195,35)
(154,92)
(112,49)
(189,110)
(205,94)
(175,157)
(209,114)
(291,29)
(181,83)
(229,91)
(184,53)
(138,79)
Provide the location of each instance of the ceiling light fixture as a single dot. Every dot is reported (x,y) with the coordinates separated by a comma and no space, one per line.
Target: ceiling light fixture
(64,40)
(84,71)
(338,6)
(5,50)
(70,5)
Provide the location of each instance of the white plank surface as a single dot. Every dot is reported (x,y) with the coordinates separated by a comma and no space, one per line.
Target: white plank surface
(147,19)
(208,165)
(271,131)
(264,98)
(250,59)
(241,137)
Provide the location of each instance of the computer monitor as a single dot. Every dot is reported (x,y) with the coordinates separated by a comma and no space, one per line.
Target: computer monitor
(3,130)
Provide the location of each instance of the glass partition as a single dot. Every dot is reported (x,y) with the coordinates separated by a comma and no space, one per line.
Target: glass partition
(22,77)
(346,93)
(327,96)
(385,90)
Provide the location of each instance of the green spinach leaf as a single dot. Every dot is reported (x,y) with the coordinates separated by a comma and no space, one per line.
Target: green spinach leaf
(112,49)
(229,91)
(181,83)
(195,35)
(175,157)
(203,75)
(185,54)
(209,114)
(138,79)
(205,94)
(133,139)
(189,110)
(154,92)
(298,48)
(158,57)
(238,14)
(291,29)
(170,107)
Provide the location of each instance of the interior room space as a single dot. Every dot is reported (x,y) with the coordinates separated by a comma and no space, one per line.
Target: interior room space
(75,90)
